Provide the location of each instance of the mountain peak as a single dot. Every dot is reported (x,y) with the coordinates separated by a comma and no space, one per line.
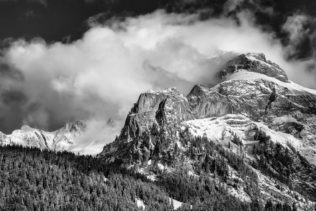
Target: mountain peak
(26,128)
(253,62)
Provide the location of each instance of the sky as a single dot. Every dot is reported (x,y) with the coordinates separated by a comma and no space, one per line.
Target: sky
(66,60)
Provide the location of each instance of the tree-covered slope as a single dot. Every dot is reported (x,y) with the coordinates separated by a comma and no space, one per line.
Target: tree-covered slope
(31,179)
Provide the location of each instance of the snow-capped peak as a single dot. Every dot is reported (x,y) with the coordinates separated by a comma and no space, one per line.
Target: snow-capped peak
(253,62)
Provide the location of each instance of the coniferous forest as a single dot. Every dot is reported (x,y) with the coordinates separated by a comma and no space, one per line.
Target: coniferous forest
(42,180)
(37,180)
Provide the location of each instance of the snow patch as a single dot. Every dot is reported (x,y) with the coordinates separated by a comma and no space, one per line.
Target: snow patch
(192,173)
(284,119)
(152,177)
(176,204)
(219,129)
(239,193)
(160,166)
(140,204)
(105,179)
(146,173)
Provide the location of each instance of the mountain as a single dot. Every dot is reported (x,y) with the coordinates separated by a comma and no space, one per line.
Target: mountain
(58,140)
(253,134)
(247,143)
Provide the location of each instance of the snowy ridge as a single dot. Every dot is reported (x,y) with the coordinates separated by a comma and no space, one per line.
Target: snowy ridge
(253,76)
(61,139)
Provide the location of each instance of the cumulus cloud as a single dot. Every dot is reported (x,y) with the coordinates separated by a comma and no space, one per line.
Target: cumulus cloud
(101,75)
(295,26)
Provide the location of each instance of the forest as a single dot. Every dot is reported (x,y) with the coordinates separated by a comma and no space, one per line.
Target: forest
(40,180)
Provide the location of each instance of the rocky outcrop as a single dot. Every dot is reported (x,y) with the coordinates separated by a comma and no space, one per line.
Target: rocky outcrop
(155,111)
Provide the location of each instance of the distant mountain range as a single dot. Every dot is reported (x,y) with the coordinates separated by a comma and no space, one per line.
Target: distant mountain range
(59,140)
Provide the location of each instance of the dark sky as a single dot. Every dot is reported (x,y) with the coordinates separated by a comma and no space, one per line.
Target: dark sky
(65,20)
(54,20)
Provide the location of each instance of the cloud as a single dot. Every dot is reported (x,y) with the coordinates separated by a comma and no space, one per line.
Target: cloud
(101,75)
(297,26)
(97,133)
(232,5)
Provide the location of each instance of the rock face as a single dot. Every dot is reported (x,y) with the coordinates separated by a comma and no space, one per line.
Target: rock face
(253,110)
(155,110)
(57,140)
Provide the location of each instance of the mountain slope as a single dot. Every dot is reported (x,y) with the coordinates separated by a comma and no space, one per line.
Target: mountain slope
(254,133)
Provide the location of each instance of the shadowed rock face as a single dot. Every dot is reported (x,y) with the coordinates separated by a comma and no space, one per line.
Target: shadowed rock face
(155,111)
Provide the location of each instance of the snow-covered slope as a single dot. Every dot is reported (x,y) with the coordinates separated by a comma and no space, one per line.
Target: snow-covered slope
(57,140)
(223,129)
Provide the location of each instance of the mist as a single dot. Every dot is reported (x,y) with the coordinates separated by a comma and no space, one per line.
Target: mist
(101,75)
